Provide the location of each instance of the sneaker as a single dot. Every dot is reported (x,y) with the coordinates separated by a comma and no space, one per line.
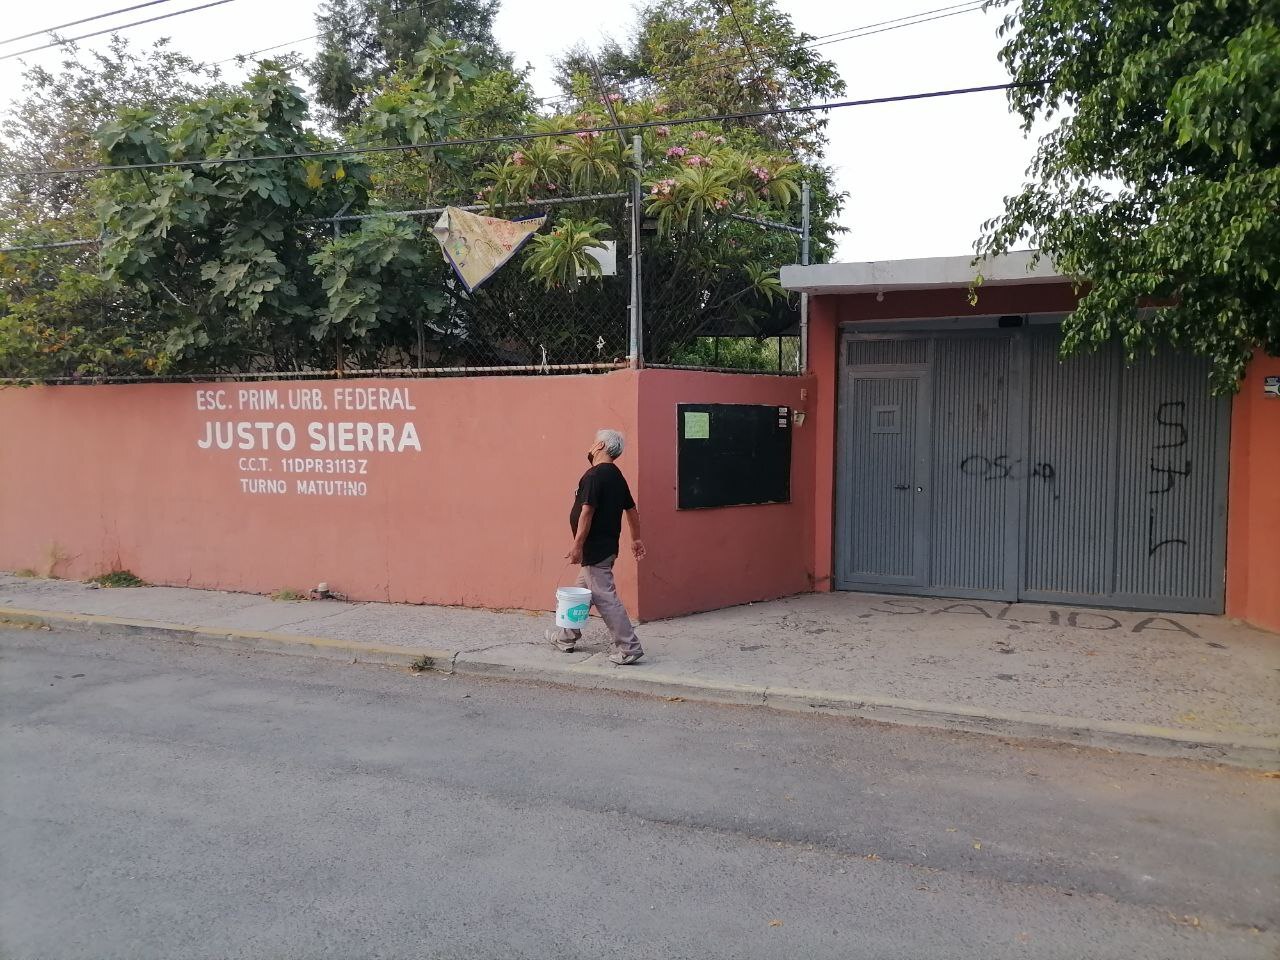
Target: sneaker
(626,659)
(564,646)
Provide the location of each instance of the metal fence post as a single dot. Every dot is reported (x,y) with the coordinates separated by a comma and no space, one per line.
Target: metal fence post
(637,306)
(338,360)
(804,261)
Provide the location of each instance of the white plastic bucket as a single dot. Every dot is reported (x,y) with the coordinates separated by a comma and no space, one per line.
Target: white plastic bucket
(573,606)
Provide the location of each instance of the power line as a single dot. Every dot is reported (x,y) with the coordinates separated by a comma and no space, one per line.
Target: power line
(524,137)
(396,18)
(123,26)
(76,23)
(50,246)
(972,4)
(254,53)
(914,23)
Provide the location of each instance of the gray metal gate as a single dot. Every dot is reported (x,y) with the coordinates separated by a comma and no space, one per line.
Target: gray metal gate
(978,465)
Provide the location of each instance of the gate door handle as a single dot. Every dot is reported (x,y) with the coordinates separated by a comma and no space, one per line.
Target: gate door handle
(902,486)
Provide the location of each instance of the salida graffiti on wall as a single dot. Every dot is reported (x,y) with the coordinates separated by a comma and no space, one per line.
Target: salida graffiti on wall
(316,464)
(1014,614)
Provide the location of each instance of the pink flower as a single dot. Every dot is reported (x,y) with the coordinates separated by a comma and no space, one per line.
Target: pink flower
(719,141)
(721,204)
(696,160)
(662,131)
(663,188)
(763,175)
(518,158)
(659,109)
(674,152)
(615,97)
(587,136)
(699,134)
(552,186)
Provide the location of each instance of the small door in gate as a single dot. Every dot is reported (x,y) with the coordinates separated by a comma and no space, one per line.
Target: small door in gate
(884,520)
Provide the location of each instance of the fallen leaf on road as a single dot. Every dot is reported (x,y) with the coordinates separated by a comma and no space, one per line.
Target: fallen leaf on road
(674,699)
(1271,775)
(1185,921)
(1024,938)
(775,923)
(977,845)
(872,856)
(951,829)
(1091,653)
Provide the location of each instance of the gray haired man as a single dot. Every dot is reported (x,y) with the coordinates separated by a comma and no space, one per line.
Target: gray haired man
(602,499)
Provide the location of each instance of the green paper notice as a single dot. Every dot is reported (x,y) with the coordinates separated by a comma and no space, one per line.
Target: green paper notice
(697,426)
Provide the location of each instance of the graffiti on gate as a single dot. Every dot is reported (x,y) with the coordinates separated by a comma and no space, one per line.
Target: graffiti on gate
(1172,430)
(1001,467)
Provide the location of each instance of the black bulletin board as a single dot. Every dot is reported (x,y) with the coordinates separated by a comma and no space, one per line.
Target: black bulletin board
(730,454)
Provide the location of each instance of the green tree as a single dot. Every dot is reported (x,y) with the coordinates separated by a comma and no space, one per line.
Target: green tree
(702,57)
(705,270)
(1160,183)
(689,58)
(57,316)
(245,266)
(365,41)
(220,253)
(439,94)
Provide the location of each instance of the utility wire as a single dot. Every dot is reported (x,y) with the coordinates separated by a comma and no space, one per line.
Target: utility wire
(525,137)
(396,18)
(98,33)
(872,33)
(970,4)
(254,53)
(76,23)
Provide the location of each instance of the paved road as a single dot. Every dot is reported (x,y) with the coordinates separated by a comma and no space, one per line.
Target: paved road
(162,800)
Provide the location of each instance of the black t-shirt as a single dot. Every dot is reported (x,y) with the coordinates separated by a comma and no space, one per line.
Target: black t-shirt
(605,490)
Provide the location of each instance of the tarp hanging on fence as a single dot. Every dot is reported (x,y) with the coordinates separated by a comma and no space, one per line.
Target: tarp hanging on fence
(478,246)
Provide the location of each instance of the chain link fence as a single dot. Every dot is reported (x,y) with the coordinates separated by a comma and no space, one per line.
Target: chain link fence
(516,323)
(719,323)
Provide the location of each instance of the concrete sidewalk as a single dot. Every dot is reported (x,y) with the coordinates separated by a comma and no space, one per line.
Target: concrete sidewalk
(1160,684)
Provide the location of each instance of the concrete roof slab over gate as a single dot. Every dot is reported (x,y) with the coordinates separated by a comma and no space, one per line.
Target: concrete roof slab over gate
(927,273)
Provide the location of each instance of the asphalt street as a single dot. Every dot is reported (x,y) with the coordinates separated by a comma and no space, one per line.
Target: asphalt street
(166,800)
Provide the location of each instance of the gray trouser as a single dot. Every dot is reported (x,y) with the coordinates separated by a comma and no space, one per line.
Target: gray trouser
(598,578)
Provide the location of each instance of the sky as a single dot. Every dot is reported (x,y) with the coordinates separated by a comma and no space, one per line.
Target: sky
(921,177)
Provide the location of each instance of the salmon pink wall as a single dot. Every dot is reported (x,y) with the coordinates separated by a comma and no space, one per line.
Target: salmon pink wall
(1253,507)
(102,477)
(824,361)
(704,559)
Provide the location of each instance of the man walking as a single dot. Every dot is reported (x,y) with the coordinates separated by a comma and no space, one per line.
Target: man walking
(602,499)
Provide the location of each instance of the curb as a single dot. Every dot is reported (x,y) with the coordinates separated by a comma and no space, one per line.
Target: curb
(1251,752)
(284,643)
